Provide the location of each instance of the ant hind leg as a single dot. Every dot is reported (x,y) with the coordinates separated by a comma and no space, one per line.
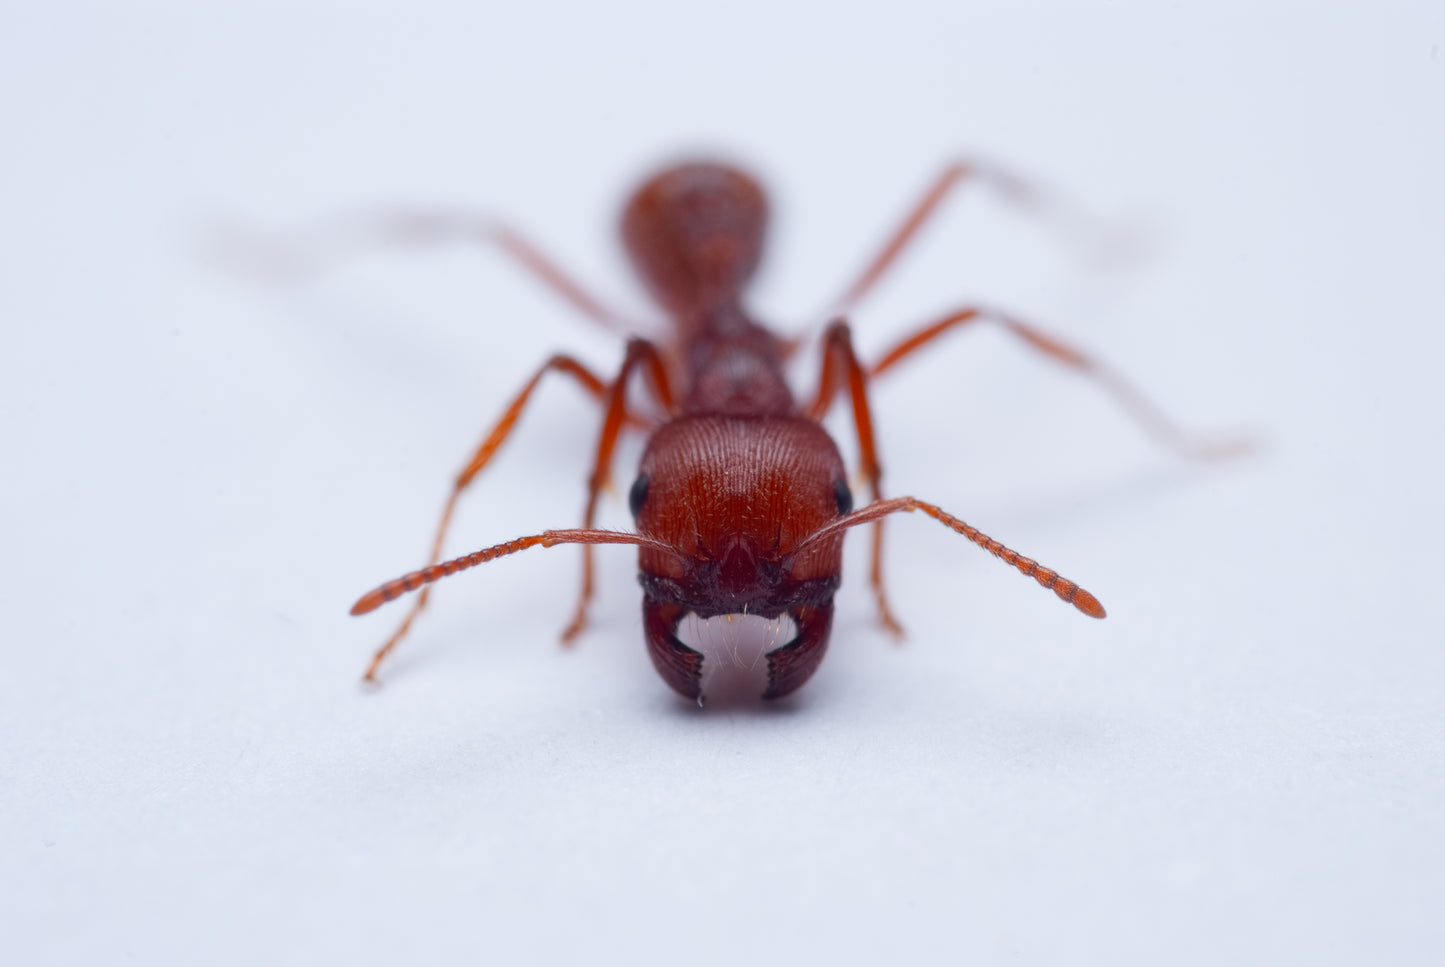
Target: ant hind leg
(340,237)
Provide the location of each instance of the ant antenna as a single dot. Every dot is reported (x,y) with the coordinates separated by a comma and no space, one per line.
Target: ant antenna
(1067,590)
(392,590)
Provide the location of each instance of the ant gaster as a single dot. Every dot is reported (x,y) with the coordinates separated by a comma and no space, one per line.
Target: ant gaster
(741,500)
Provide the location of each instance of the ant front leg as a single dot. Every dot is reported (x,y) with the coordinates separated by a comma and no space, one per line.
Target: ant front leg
(1144,412)
(480,458)
(840,362)
(639,352)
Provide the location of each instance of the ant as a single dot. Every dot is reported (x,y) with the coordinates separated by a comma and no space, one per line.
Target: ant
(741,501)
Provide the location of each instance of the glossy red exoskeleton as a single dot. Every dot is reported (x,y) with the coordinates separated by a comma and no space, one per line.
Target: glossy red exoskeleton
(741,500)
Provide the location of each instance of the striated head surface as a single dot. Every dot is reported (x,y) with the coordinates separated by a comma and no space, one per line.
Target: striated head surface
(736,497)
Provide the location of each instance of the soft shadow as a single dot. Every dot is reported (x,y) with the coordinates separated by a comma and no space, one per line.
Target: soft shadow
(745,705)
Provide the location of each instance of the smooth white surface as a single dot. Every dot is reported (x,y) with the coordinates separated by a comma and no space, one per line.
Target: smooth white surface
(1242,764)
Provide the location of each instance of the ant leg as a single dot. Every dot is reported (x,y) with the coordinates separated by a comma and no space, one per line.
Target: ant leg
(483,454)
(348,235)
(639,351)
(1012,187)
(838,352)
(1144,412)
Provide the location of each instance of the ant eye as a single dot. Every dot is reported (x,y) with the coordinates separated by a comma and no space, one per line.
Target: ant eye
(842,496)
(637,496)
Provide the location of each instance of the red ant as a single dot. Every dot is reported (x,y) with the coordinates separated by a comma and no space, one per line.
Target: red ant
(741,500)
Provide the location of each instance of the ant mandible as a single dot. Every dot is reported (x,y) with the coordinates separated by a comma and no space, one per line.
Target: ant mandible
(741,500)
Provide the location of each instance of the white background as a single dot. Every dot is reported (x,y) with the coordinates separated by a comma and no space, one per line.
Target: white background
(201,472)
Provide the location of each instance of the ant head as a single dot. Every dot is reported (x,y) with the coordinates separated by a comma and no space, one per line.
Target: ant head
(695,234)
(736,499)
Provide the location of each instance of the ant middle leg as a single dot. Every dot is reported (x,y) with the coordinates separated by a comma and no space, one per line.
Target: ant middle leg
(1147,414)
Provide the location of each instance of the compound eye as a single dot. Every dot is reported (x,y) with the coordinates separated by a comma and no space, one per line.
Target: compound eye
(842,496)
(637,496)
